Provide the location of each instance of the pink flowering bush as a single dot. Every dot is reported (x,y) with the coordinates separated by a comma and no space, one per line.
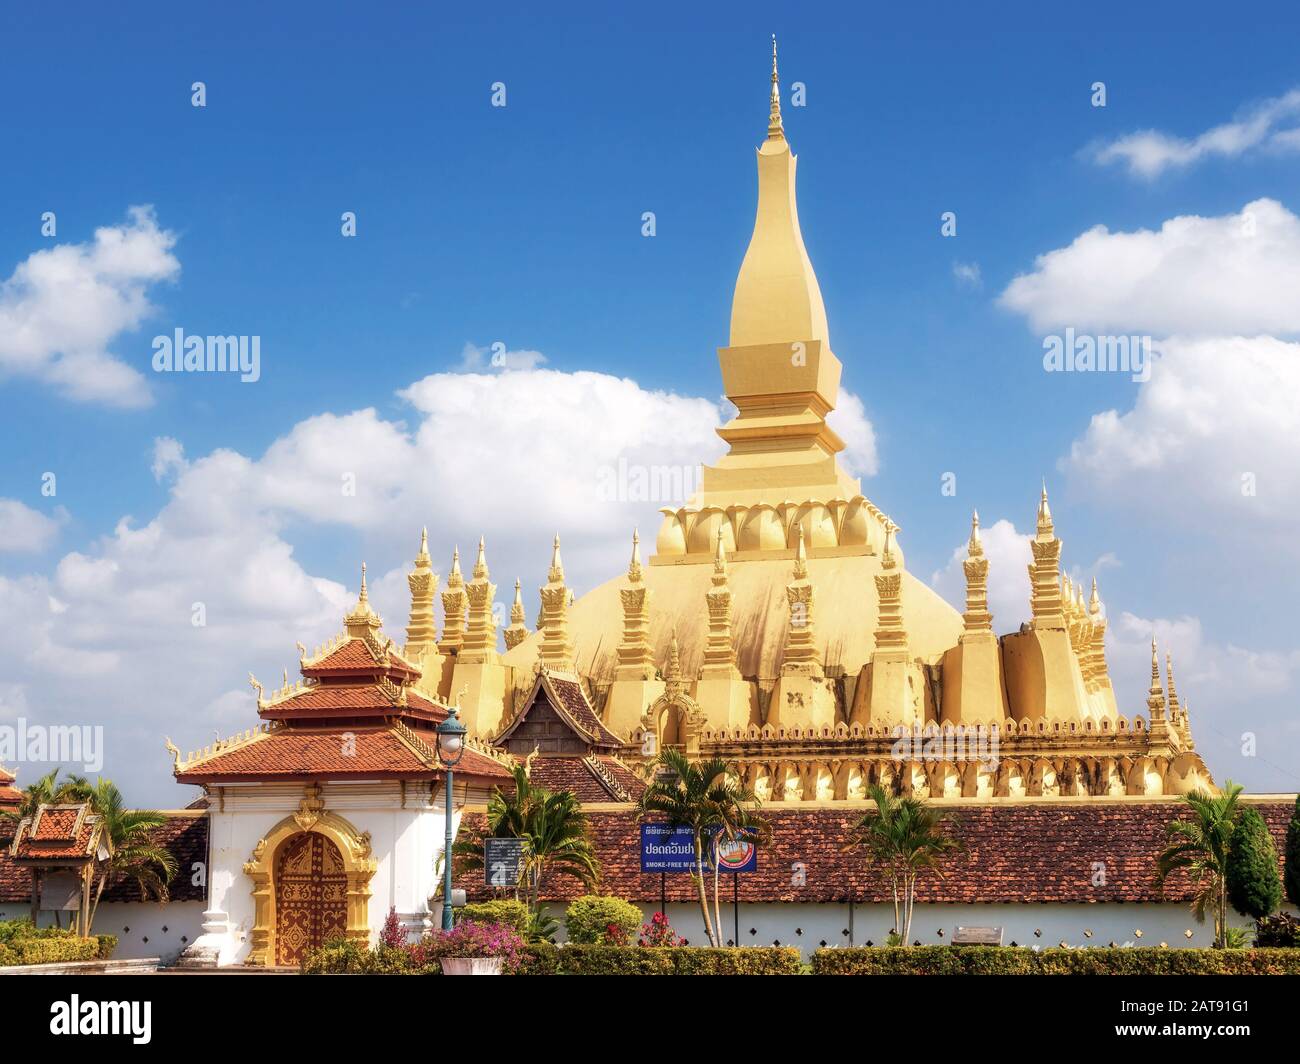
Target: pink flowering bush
(392,934)
(472,939)
(659,932)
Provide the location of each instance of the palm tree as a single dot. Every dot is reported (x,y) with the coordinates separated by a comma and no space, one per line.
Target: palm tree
(709,800)
(908,838)
(136,857)
(1201,846)
(552,827)
(45,791)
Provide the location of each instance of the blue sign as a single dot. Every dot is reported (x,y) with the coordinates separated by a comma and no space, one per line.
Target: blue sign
(665,849)
(737,855)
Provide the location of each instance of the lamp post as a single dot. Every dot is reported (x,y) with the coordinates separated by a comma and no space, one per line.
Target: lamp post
(451,748)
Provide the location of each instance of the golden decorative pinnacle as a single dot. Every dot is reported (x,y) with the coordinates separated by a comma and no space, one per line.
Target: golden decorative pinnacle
(1044,512)
(455,578)
(774,129)
(1094,604)
(556,573)
(364,598)
(634,566)
(800,555)
(887,555)
(423,559)
(974,548)
(720,560)
(480,564)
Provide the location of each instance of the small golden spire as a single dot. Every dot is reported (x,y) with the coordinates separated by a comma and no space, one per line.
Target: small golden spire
(634,572)
(480,564)
(974,548)
(1044,512)
(1156,695)
(887,555)
(1094,604)
(774,128)
(1173,691)
(556,573)
(517,610)
(423,557)
(673,669)
(720,560)
(364,598)
(800,555)
(455,577)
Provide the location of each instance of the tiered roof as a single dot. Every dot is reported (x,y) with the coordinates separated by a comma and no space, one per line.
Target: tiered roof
(353,715)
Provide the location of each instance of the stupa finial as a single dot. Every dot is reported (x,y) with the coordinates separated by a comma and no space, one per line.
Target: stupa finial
(974,548)
(634,571)
(774,127)
(556,573)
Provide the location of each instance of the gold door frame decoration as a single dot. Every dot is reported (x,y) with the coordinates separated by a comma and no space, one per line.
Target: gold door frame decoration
(358,862)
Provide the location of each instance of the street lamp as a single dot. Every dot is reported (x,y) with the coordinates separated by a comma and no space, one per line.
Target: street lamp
(451,748)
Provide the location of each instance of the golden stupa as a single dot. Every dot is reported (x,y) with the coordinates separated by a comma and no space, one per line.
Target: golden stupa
(776,624)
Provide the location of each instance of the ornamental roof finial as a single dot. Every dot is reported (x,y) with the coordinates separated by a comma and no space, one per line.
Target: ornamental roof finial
(1044,512)
(634,566)
(480,564)
(975,548)
(774,128)
(556,573)
(800,555)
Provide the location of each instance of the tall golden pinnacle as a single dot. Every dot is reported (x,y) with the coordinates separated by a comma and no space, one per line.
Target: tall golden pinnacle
(1045,601)
(556,573)
(1174,709)
(421,635)
(454,604)
(719,652)
(635,657)
(1156,694)
(481,632)
(556,651)
(977,617)
(774,128)
(517,631)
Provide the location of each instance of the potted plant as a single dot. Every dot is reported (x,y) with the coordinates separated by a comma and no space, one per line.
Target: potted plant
(474,948)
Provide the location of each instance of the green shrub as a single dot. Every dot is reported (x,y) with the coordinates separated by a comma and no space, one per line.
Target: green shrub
(48,950)
(107,944)
(680,960)
(1254,887)
(993,960)
(336,956)
(510,912)
(1280,930)
(539,958)
(601,921)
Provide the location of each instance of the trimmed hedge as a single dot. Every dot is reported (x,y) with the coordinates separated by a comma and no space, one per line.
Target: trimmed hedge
(48,950)
(506,911)
(1009,960)
(650,960)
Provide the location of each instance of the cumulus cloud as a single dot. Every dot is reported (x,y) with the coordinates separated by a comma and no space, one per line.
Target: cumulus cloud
(62,308)
(1009,556)
(24,530)
(497,357)
(849,419)
(1271,125)
(1218,276)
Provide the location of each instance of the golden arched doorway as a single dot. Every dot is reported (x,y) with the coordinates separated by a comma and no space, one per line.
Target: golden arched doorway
(311,895)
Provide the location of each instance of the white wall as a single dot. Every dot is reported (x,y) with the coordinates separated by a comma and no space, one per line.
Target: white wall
(777,922)
(144,929)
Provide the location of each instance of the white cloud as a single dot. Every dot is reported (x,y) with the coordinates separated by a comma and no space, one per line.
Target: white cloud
(1220,276)
(1218,423)
(23,529)
(168,457)
(849,419)
(967,274)
(63,306)
(1271,125)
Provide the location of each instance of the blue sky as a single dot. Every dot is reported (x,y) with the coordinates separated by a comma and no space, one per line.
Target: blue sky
(522,225)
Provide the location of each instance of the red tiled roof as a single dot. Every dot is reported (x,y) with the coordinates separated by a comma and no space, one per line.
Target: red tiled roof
(6,776)
(360,698)
(576,774)
(309,753)
(185,836)
(56,832)
(1014,852)
(573,701)
(356,655)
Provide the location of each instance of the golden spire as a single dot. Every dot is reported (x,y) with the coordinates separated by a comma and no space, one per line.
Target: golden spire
(480,564)
(455,577)
(421,634)
(774,129)
(517,631)
(1044,513)
(362,619)
(454,603)
(1094,603)
(974,548)
(634,573)
(1173,691)
(556,573)
(480,642)
(1156,694)
(800,554)
(887,560)
(720,561)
